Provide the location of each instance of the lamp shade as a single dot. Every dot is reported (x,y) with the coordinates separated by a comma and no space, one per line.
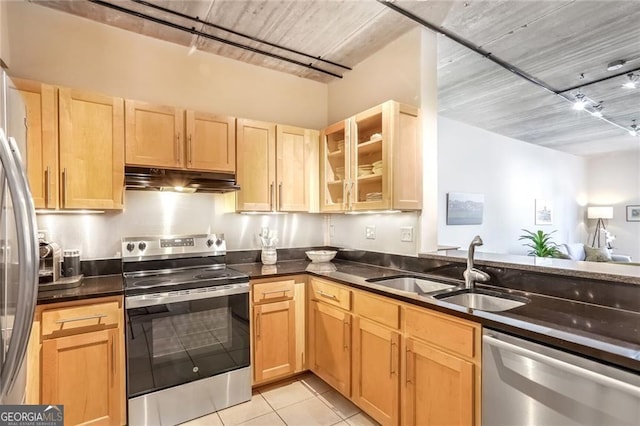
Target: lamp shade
(600,212)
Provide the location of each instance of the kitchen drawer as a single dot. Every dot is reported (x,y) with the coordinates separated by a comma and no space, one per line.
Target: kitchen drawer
(453,334)
(331,293)
(273,291)
(80,317)
(383,311)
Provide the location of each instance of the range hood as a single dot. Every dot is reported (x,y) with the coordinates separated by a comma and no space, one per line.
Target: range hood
(155,179)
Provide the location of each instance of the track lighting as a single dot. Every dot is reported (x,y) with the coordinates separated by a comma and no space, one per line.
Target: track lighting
(633,81)
(580,102)
(597,110)
(635,129)
(616,65)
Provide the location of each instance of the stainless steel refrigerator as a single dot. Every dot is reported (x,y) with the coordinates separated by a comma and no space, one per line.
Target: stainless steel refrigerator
(18,247)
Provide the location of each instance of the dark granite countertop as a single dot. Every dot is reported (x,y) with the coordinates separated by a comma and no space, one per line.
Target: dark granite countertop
(91,287)
(604,333)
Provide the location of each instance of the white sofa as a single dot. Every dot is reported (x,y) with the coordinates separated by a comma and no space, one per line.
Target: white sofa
(575,251)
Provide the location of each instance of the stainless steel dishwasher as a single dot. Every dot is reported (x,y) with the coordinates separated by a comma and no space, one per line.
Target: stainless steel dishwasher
(525,383)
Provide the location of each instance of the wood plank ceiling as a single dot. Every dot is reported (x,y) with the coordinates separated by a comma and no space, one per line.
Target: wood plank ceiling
(563,43)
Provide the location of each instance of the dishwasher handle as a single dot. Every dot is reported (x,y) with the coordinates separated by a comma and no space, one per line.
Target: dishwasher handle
(562,365)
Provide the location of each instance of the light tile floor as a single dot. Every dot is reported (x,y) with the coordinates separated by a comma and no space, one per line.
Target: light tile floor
(303,401)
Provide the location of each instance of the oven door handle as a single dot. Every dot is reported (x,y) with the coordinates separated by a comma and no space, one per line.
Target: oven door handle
(154,299)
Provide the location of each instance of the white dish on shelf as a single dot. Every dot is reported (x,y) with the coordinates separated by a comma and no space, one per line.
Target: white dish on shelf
(377,163)
(364,173)
(320,256)
(375,137)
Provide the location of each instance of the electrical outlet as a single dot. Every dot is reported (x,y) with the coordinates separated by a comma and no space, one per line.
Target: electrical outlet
(406,234)
(370,232)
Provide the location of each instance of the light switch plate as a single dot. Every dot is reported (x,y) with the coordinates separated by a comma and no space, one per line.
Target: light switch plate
(406,234)
(370,232)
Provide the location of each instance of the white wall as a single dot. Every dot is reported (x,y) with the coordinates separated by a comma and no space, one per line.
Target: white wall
(348,230)
(60,48)
(614,180)
(391,73)
(154,213)
(511,174)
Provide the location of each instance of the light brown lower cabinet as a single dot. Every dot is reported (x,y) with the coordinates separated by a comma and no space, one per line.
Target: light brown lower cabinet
(275,340)
(376,370)
(82,373)
(330,345)
(438,387)
(76,358)
(278,328)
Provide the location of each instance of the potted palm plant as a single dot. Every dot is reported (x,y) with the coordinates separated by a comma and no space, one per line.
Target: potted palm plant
(540,243)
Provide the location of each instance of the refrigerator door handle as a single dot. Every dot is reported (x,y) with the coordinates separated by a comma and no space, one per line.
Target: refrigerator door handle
(26,229)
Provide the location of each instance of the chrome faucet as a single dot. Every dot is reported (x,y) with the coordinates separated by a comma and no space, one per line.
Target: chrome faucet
(471,274)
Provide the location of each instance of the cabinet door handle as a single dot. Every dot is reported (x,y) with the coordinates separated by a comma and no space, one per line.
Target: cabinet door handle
(280,196)
(113,361)
(327,295)
(264,293)
(64,186)
(392,370)
(258,315)
(409,363)
(345,336)
(47,183)
(88,317)
(271,187)
(177,148)
(189,150)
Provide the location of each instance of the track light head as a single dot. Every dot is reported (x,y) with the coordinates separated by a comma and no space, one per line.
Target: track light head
(632,82)
(616,65)
(634,128)
(597,109)
(580,102)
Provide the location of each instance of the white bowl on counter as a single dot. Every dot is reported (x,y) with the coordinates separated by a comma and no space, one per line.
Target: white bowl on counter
(320,256)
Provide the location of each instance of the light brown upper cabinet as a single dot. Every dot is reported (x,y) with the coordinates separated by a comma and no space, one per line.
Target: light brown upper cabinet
(91,150)
(155,135)
(373,161)
(75,147)
(169,137)
(41,103)
(276,167)
(211,142)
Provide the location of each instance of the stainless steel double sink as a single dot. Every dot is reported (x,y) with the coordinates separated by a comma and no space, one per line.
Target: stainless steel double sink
(472,298)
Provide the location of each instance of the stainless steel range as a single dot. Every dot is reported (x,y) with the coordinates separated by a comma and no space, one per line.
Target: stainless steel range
(187,330)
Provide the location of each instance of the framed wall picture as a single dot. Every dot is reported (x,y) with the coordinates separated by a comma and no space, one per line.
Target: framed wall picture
(633,213)
(464,208)
(544,212)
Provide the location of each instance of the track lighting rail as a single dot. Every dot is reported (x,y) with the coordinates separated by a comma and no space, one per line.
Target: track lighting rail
(193,31)
(236,33)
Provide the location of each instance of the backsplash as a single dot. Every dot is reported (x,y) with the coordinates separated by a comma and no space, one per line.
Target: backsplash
(155,213)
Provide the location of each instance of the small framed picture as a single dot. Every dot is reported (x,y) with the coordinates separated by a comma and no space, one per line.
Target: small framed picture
(633,213)
(464,208)
(544,211)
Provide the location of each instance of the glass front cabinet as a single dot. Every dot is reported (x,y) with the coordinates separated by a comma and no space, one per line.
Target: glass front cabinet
(373,161)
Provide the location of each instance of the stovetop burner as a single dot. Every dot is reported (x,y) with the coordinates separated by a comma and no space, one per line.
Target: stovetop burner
(151,282)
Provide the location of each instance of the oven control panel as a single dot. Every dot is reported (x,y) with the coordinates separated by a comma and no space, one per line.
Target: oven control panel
(172,246)
(176,242)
